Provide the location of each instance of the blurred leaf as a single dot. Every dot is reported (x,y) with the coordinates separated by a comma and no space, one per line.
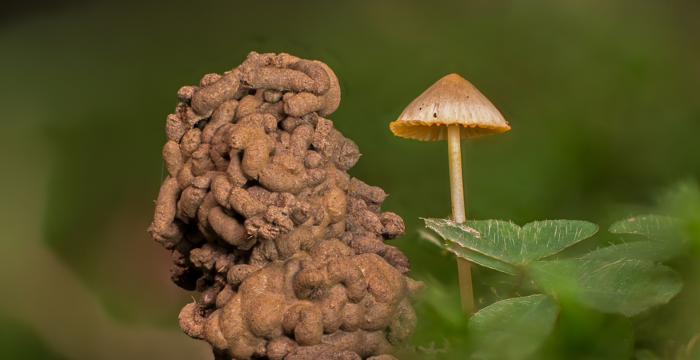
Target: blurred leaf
(627,287)
(586,334)
(513,328)
(652,226)
(645,354)
(649,250)
(444,301)
(665,241)
(683,202)
(510,243)
(19,341)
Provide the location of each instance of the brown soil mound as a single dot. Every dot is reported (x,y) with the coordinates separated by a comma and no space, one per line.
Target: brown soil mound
(262,218)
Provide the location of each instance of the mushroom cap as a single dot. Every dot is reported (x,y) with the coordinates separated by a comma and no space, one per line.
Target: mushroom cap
(451,100)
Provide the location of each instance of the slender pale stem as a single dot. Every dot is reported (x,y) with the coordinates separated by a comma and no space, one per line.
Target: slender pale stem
(458,213)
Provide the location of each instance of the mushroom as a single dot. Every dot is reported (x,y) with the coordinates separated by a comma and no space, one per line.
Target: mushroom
(452,109)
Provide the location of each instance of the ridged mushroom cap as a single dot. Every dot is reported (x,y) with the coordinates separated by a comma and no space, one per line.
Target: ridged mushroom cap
(451,100)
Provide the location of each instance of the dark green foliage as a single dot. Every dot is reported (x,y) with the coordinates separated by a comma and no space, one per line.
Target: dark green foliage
(639,250)
(652,226)
(508,242)
(627,287)
(622,279)
(513,328)
(584,334)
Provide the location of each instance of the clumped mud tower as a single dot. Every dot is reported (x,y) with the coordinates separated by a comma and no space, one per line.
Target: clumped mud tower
(263,220)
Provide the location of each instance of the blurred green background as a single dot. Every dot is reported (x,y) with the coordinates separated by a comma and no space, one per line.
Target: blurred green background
(603,98)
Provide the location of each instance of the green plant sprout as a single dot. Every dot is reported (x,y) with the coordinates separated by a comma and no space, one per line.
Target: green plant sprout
(624,279)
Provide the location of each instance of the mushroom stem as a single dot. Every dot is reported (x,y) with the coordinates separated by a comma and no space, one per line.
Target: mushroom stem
(457,190)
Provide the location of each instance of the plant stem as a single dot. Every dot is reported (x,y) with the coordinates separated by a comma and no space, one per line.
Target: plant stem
(458,213)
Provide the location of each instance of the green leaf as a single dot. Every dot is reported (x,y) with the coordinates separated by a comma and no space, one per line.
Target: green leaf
(472,256)
(509,242)
(652,226)
(481,259)
(627,287)
(513,328)
(649,250)
(662,231)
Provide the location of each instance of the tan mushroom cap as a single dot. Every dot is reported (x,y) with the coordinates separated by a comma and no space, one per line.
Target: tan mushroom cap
(451,100)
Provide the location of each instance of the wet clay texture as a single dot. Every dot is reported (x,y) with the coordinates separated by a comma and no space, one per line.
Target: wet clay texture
(262,218)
